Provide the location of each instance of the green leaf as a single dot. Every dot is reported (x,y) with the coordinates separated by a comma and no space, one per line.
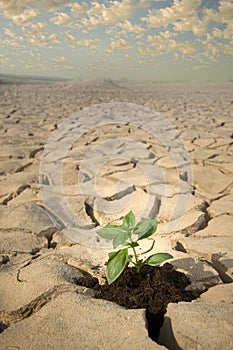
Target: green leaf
(111,255)
(126,244)
(110,231)
(145,228)
(157,259)
(129,221)
(120,239)
(116,265)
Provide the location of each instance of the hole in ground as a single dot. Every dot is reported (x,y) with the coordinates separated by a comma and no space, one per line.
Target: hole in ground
(151,289)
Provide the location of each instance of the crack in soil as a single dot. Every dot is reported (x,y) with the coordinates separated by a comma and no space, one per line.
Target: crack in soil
(7,199)
(200,224)
(48,234)
(15,194)
(35,151)
(90,212)
(120,194)
(27,263)
(22,167)
(7,318)
(220,268)
(59,224)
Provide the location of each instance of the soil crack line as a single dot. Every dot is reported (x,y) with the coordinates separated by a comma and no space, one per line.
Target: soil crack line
(15,194)
(10,317)
(90,212)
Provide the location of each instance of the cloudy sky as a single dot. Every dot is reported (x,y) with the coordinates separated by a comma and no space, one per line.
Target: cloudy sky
(133,39)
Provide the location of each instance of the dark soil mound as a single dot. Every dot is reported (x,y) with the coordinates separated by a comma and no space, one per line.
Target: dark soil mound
(151,289)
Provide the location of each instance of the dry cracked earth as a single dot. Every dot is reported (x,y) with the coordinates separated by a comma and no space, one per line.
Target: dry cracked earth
(41,305)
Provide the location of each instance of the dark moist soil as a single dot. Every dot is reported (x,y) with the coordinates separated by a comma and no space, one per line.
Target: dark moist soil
(151,289)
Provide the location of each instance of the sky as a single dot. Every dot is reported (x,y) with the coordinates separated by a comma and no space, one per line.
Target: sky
(157,40)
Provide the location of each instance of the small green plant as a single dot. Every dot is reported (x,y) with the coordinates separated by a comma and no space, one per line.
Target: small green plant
(127,235)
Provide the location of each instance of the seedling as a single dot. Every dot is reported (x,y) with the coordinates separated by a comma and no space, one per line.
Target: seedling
(127,235)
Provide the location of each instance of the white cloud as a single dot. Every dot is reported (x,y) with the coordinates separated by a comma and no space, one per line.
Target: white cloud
(119,25)
(209,14)
(25,17)
(225,10)
(167,34)
(22,12)
(39,37)
(118,12)
(70,37)
(124,29)
(61,18)
(88,23)
(10,8)
(60,59)
(217,33)
(10,32)
(38,27)
(141,62)
(117,45)
(71,67)
(183,15)
(96,9)
(53,38)
(229,48)
(191,23)
(12,42)
(78,9)
(131,28)
(41,66)
(158,46)
(52,5)
(168,15)
(92,67)
(115,13)
(228,32)
(46,5)
(87,42)
(121,11)
(186,48)
(200,66)
(211,47)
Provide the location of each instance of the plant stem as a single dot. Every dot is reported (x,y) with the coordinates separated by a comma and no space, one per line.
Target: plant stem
(135,255)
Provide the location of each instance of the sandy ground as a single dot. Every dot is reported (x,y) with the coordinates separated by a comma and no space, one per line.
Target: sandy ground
(173,162)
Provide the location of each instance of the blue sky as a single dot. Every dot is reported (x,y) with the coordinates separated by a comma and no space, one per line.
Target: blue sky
(133,39)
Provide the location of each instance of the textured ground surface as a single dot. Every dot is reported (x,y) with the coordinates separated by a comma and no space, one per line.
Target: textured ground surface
(40,264)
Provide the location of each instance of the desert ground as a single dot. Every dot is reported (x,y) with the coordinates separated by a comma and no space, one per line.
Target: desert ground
(77,155)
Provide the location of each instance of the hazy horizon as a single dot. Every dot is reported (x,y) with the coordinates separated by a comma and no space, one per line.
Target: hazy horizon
(142,40)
